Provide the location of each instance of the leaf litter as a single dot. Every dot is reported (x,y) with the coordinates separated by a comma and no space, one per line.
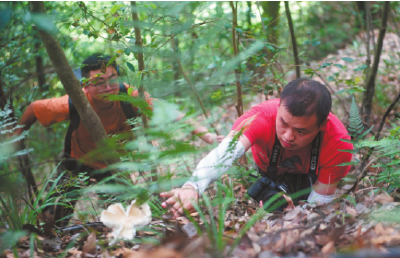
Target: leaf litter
(362,224)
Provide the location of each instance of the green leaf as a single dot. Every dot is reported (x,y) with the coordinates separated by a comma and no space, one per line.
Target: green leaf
(326,65)
(116,8)
(86,32)
(227,26)
(330,78)
(5,16)
(127,51)
(347,59)
(301,53)
(43,22)
(338,65)
(270,47)
(316,43)
(306,42)
(131,67)
(129,91)
(239,30)
(308,71)
(347,164)
(210,66)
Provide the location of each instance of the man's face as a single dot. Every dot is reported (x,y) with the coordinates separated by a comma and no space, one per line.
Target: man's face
(294,132)
(101,84)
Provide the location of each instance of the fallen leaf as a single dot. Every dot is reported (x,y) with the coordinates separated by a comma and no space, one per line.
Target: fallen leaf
(90,245)
(328,248)
(383,198)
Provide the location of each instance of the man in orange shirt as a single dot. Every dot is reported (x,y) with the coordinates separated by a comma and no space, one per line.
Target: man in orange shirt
(111,113)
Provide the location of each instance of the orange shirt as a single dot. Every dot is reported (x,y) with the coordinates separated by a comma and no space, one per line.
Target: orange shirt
(54,110)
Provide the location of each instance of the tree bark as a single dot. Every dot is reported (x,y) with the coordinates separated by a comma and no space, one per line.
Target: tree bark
(248,15)
(294,44)
(139,47)
(271,11)
(239,106)
(72,86)
(39,63)
(370,86)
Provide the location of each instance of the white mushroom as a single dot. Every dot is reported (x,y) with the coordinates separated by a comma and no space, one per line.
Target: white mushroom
(124,222)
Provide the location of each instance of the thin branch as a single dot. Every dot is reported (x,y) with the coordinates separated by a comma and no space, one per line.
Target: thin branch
(293,37)
(239,107)
(196,94)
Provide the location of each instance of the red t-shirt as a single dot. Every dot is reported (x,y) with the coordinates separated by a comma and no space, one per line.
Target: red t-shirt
(259,123)
(54,110)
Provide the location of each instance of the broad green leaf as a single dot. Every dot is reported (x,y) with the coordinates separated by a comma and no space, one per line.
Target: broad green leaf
(5,16)
(347,59)
(325,65)
(306,42)
(338,65)
(301,53)
(210,66)
(42,21)
(270,47)
(130,66)
(316,43)
(239,30)
(116,7)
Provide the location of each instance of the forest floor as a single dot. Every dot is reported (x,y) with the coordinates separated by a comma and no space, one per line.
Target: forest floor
(360,224)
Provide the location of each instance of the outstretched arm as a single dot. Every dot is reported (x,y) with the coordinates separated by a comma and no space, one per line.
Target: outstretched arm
(209,169)
(27,120)
(202,132)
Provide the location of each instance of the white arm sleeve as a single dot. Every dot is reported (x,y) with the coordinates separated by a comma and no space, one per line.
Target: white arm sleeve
(215,164)
(319,198)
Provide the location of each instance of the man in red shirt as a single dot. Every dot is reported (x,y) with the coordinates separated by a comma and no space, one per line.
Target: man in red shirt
(291,137)
(102,80)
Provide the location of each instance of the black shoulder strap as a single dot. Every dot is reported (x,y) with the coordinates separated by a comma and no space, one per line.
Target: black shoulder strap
(315,148)
(74,123)
(126,106)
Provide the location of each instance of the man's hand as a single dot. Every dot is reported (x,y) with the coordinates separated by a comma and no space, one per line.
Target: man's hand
(179,199)
(210,138)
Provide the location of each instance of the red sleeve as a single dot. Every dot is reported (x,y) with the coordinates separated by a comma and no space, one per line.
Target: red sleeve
(331,157)
(51,111)
(257,125)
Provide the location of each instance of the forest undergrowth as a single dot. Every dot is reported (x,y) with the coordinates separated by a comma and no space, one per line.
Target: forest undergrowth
(361,223)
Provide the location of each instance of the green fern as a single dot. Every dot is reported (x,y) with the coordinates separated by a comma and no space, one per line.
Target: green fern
(8,125)
(355,123)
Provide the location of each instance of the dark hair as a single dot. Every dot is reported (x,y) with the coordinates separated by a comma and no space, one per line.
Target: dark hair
(305,97)
(94,62)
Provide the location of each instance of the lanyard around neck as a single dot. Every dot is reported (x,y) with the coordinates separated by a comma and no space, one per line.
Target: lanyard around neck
(315,147)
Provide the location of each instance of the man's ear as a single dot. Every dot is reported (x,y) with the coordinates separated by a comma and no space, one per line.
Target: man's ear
(324,123)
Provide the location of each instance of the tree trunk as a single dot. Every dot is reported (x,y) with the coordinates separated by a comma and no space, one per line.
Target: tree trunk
(139,47)
(39,64)
(239,106)
(294,44)
(248,15)
(271,11)
(370,86)
(72,86)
